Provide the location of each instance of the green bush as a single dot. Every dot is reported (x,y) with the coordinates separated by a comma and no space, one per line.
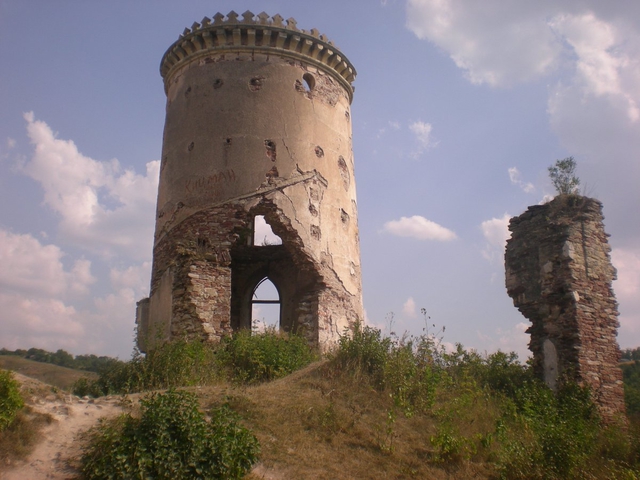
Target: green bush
(550,435)
(10,399)
(171,440)
(364,350)
(252,357)
(244,356)
(172,364)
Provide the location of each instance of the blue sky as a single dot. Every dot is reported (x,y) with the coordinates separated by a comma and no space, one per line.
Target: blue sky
(460,107)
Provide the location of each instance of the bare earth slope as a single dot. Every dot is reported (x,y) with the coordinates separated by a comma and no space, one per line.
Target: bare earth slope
(51,458)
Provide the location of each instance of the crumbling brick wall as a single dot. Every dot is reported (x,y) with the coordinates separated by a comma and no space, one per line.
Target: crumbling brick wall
(257,123)
(559,274)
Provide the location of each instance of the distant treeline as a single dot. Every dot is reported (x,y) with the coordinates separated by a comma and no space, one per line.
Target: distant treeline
(90,363)
(631,375)
(631,354)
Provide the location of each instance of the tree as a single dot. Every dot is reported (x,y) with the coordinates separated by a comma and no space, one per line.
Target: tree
(563,177)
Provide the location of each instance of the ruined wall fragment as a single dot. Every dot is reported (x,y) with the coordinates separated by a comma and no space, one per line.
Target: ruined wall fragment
(559,274)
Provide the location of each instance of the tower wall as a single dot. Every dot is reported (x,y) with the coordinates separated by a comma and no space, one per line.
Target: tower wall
(258,122)
(559,274)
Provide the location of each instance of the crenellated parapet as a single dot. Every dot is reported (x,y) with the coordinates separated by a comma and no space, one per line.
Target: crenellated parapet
(257,34)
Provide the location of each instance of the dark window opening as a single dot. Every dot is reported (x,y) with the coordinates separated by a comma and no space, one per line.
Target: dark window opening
(309,82)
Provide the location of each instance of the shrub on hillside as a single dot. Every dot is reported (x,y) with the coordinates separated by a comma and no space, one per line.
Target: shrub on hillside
(257,357)
(171,440)
(172,364)
(10,399)
(244,356)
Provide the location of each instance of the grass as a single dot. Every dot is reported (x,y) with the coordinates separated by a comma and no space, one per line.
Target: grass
(59,377)
(403,408)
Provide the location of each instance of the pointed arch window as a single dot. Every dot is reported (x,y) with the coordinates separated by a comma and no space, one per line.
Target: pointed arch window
(265,306)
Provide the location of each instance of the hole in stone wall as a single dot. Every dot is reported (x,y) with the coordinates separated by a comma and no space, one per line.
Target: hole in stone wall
(187,91)
(217,83)
(255,83)
(344,216)
(265,306)
(228,141)
(309,82)
(271,149)
(319,152)
(190,147)
(263,234)
(344,172)
(346,114)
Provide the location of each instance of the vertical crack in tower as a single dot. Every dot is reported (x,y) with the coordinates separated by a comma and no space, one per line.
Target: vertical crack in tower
(238,89)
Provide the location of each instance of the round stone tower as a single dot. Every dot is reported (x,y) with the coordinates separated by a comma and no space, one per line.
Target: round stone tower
(258,124)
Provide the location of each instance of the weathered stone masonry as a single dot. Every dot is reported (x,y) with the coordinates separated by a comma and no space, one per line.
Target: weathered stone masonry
(559,274)
(258,122)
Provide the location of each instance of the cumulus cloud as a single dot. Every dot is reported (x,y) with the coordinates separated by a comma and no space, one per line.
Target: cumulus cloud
(592,48)
(495,42)
(516,178)
(36,294)
(627,290)
(514,339)
(409,308)
(496,233)
(28,267)
(420,228)
(599,64)
(39,322)
(103,207)
(263,233)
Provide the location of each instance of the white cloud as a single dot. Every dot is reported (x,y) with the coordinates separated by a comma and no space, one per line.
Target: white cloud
(592,48)
(516,178)
(35,291)
(627,262)
(627,290)
(409,308)
(45,323)
(496,233)
(422,131)
(11,143)
(513,339)
(30,268)
(600,63)
(498,43)
(81,190)
(263,233)
(420,228)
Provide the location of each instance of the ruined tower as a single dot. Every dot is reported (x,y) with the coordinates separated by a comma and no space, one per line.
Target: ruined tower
(559,274)
(258,124)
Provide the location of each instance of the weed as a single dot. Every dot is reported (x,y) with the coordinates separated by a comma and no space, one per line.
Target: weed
(171,440)
(10,399)
(265,356)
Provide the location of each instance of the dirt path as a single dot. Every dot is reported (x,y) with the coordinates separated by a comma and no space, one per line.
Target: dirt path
(59,441)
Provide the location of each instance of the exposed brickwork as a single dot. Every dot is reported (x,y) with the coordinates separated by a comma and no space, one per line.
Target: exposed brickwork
(559,274)
(255,125)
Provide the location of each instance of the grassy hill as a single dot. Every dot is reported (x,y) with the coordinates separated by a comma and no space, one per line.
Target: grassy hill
(384,408)
(60,377)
